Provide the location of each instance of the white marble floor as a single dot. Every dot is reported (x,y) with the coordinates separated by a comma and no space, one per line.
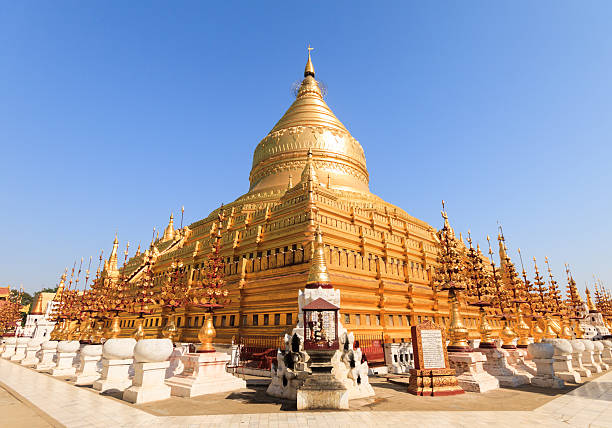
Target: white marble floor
(587,406)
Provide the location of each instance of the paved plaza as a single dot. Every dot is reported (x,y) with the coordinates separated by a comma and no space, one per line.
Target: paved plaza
(33,399)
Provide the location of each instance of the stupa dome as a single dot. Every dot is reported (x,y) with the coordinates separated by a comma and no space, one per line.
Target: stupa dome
(309,124)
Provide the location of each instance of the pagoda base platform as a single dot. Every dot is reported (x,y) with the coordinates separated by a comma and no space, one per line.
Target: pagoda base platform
(434,382)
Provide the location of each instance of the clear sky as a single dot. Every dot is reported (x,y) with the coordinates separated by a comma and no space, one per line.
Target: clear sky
(114,114)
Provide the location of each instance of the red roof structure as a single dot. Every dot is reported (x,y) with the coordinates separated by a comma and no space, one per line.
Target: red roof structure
(320,305)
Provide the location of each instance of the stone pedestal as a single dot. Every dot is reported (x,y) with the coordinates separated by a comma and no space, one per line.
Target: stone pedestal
(151,357)
(471,374)
(517,358)
(9,347)
(148,383)
(204,373)
(562,361)
(117,358)
(434,382)
(606,355)
(88,372)
(543,358)
(588,359)
(577,350)
(497,366)
(598,354)
(20,349)
(115,375)
(321,390)
(66,352)
(47,354)
(30,359)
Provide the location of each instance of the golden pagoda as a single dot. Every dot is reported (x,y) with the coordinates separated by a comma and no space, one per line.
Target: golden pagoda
(307,171)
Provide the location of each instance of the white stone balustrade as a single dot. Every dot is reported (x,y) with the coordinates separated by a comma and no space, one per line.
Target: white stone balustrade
(117,358)
(588,360)
(151,361)
(47,354)
(577,352)
(598,354)
(88,373)
(66,351)
(31,358)
(9,347)
(543,358)
(20,349)
(399,356)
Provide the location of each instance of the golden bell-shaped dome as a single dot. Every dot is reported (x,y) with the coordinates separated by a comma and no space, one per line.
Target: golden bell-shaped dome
(309,124)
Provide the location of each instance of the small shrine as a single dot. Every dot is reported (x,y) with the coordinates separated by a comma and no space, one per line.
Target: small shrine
(319,367)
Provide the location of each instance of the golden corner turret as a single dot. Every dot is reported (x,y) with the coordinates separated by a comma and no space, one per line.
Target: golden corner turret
(318,275)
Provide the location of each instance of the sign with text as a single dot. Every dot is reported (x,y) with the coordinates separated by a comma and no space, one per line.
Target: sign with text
(429,345)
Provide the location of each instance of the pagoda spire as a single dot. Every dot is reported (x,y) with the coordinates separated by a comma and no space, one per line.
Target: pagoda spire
(309,174)
(169,231)
(590,304)
(309,70)
(112,260)
(318,275)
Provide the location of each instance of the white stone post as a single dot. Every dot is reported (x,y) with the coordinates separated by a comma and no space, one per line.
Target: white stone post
(577,351)
(598,353)
(588,359)
(151,356)
(88,372)
(9,347)
(543,358)
(562,361)
(66,351)
(47,353)
(20,349)
(117,358)
(606,356)
(32,350)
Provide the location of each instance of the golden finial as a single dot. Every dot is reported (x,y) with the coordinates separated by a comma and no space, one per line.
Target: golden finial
(318,275)
(309,70)
(290,185)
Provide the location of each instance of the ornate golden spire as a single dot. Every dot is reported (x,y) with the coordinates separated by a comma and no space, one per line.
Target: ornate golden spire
(590,304)
(309,173)
(318,276)
(309,70)
(112,260)
(169,231)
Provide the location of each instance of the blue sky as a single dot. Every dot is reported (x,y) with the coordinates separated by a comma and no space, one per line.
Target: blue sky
(114,114)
